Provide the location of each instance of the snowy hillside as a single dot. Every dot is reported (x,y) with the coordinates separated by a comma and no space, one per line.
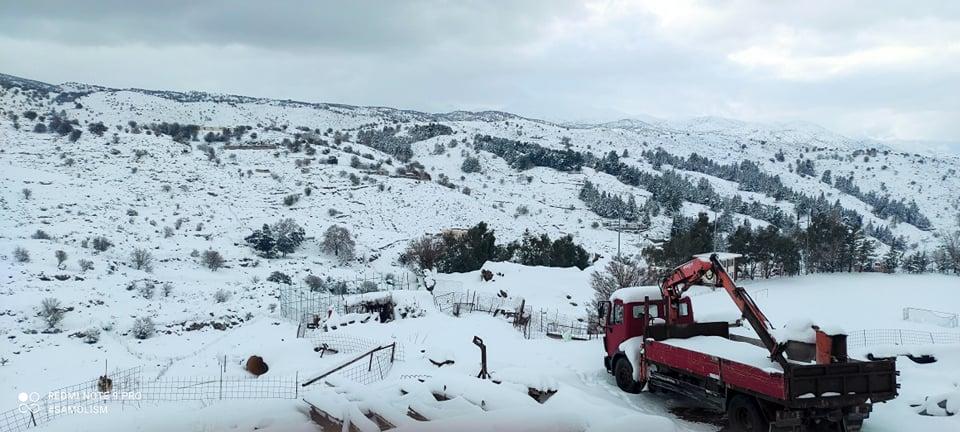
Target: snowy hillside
(177,193)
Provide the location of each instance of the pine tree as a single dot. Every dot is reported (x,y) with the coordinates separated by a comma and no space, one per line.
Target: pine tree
(262,241)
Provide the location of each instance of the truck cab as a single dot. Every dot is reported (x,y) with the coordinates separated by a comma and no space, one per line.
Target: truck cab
(639,312)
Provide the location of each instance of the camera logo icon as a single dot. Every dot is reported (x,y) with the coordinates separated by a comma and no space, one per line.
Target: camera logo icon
(29,402)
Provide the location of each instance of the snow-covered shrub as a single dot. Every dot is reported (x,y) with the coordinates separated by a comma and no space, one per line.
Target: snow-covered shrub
(167,232)
(91,335)
(221,296)
(51,312)
(40,235)
(167,289)
(314,282)
(369,286)
(212,259)
(338,241)
(101,244)
(470,165)
(147,289)
(410,311)
(279,277)
(27,193)
(85,265)
(143,328)
(272,307)
(21,255)
(522,210)
(141,259)
(338,287)
(291,199)
(132,212)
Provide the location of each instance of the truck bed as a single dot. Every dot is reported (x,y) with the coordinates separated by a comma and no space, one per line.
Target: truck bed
(736,364)
(746,367)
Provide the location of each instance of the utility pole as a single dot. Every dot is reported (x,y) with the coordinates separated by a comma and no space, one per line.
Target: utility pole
(619,228)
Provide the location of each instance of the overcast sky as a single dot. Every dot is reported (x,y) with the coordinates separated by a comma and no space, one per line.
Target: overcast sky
(887,70)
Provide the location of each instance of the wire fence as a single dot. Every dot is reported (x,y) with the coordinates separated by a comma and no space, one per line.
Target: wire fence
(367,368)
(927,316)
(128,387)
(333,343)
(299,303)
(533,323)
(877,337)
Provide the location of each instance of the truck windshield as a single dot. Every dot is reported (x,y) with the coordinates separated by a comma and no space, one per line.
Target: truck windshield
(652,311)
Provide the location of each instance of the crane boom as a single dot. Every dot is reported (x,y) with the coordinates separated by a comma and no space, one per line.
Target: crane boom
(692,272)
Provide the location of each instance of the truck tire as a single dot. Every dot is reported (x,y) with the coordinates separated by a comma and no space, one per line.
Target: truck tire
(623,372)
(743,415)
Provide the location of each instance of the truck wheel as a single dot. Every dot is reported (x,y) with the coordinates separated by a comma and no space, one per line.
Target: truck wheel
(744,415)
(623,372)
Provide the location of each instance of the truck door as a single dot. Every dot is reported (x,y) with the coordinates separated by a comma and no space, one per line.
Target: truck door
(615,331)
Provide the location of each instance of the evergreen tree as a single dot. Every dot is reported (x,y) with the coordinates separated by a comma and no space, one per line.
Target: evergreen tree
(262,241)
(469,251)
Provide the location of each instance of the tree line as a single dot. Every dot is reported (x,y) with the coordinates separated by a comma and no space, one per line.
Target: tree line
(829,243)
(466,251)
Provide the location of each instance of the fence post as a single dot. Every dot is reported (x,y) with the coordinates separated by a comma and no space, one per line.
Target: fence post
(221,380)
(393,350)
(370,366)
(900,332)
(296,385)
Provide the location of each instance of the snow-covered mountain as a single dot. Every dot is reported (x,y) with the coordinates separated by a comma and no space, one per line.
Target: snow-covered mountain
(495,193)
(159,175)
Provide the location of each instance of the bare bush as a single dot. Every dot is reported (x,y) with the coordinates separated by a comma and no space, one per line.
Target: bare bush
(221,296)
(40,235)
(101,244)
(51,312)
(147,290)
(21,255)
(85,265)
(141,259)
(424,252)
(167,289)
(314,282)
(212,259)
(167,232)
(338,241)
(61,257)
(27,193)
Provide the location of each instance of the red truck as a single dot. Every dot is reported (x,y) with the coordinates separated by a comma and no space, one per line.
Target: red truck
(652,340)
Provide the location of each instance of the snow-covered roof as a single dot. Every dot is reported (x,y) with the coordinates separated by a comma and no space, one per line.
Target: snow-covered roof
(722,256)
(636,294)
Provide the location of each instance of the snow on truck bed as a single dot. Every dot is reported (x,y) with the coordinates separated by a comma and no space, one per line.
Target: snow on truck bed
(740,352)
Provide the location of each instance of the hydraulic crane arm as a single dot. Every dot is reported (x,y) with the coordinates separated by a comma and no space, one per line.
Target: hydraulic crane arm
(692,272)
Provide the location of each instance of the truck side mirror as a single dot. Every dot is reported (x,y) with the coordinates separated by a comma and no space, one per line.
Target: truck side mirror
(602,309)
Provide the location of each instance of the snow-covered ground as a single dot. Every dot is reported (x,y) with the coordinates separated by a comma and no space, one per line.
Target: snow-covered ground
(131,188)
(586,396)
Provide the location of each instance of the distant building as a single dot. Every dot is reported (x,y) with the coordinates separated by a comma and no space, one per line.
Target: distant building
(727,259)
(455,232)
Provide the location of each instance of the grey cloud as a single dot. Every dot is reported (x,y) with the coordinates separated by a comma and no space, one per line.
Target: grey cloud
(549,59)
